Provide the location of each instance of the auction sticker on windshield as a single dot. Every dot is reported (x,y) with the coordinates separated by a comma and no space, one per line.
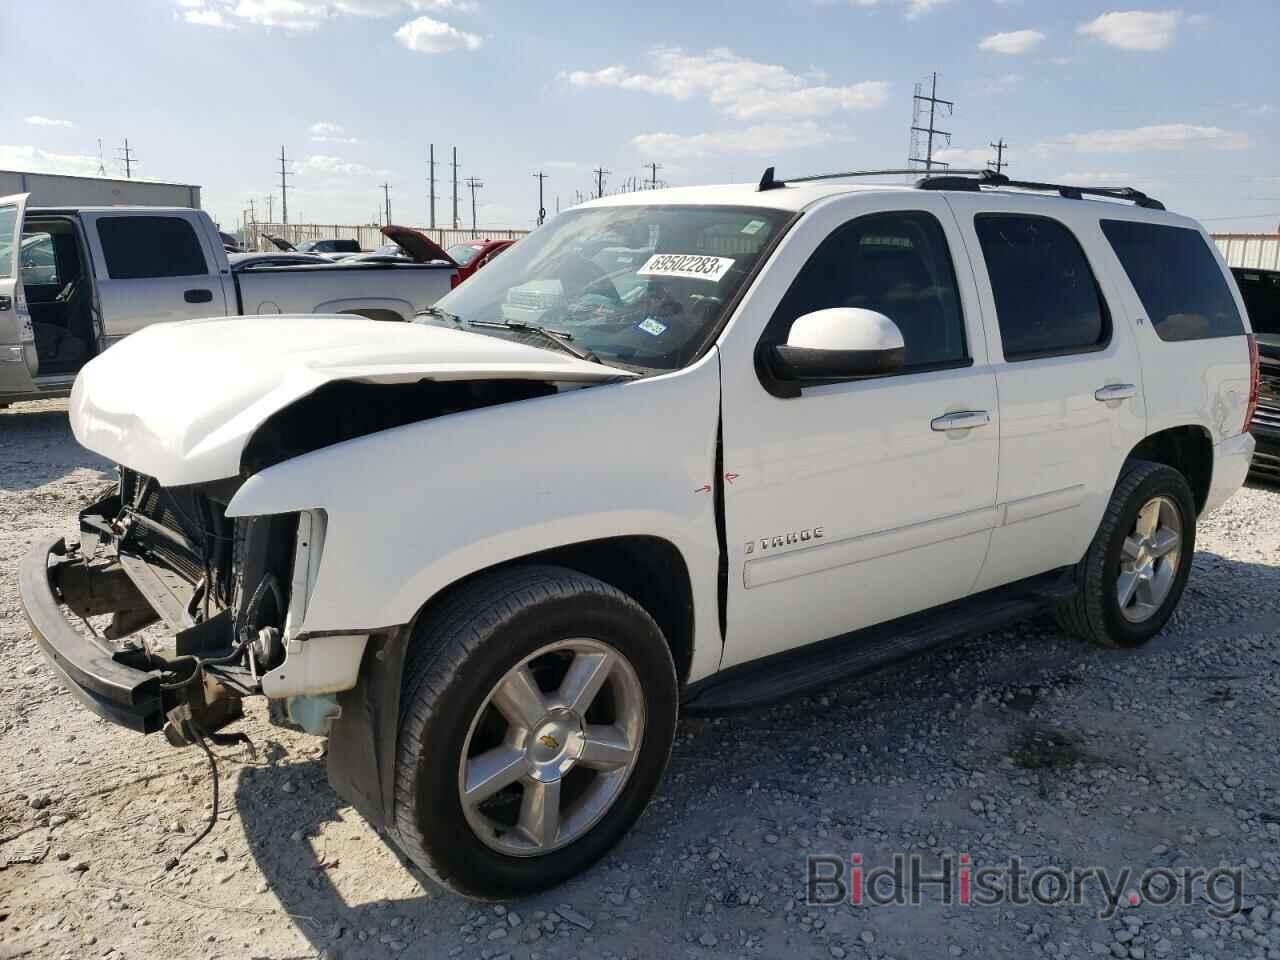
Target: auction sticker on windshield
(691,265)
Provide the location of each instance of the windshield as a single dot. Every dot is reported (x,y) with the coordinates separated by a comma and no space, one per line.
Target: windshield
(463,252)
(640,286)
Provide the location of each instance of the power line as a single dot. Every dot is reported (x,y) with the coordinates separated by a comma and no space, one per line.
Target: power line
(431,195)
(126,157)
(600,173)
(473,184)
(542,209)
(1246,216)
(455,188)
(999,147)
(918,102)
(284,188)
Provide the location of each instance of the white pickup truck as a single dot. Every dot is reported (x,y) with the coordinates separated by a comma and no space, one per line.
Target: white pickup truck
(73,281)
(801,430)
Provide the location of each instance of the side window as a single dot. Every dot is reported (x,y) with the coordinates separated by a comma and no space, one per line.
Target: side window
(894,263)
(1048,301)
(39,262)
(139,247)
(1177,279)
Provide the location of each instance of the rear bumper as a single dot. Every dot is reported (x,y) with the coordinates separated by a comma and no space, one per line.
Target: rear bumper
(109,681)
(1231,460)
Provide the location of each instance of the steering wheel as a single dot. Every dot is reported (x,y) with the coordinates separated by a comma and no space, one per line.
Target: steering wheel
(593,276)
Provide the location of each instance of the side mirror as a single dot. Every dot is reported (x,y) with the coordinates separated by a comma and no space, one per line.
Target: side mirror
(837,344)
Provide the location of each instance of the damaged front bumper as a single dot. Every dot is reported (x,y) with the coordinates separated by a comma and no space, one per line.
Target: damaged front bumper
(118,683)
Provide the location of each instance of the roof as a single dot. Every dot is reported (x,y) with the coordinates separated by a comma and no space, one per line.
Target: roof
(97,179)
(799,196)
(118,208)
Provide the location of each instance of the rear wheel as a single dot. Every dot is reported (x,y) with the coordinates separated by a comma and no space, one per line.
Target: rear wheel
(537,715)
(1131,578)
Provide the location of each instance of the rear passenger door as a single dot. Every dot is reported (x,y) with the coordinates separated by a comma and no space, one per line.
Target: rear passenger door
(1067,374)
(152,268)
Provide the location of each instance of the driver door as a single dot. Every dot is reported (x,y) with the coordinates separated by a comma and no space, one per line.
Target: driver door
(856,502)
(18,360)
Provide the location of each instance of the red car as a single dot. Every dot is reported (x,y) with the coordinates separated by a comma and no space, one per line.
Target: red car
(468,256)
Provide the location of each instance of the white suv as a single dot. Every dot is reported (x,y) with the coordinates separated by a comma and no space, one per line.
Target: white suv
(815,427)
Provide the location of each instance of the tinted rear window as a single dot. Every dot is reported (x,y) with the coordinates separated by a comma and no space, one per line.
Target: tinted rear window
(1261,292)
(138,247)
(1177,278)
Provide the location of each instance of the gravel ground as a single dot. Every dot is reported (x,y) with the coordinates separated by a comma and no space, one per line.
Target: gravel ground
(1019,743)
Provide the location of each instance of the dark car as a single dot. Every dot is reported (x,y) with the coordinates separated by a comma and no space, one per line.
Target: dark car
(1261,292)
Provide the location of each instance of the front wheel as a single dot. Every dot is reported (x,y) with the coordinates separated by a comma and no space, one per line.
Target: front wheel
(537,714)
(1131,578)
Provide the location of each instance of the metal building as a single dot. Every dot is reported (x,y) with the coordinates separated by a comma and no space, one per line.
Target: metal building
(60,190)
(1260,251)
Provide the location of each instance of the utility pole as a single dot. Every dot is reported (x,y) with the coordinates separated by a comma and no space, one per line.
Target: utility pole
(600,173)
(473,184)
(653,169)
(102,167)
(431,196)
(1000,162)
(284,188)
(386,195)
(455,188)
(128,159)
(930,132)
(253,216)
(542,209)
(271,206)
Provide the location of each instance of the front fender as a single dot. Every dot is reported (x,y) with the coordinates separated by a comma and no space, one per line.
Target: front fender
(414,509)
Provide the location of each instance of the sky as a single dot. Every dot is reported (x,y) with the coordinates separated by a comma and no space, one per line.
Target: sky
(1180,101)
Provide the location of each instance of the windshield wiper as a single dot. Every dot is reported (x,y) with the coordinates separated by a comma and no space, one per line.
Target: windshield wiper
(559,337)
(439,314)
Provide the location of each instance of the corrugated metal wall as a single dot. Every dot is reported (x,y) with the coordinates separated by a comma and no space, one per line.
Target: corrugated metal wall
(58,190)
(368,236)
(1261,251)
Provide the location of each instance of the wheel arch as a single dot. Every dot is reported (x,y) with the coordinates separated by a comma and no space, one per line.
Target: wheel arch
(1187,449)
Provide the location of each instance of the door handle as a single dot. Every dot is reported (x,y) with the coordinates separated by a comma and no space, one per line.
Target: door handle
(1115,391)
(6,303)
(963,420)
(198,296)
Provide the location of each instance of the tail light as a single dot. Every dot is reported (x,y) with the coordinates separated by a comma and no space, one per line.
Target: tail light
(1255,382)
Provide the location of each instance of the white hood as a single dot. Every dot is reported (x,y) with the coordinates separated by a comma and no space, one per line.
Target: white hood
(179,401)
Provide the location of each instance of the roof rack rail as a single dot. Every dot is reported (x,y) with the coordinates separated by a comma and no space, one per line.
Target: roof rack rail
(988,178)
(769,182)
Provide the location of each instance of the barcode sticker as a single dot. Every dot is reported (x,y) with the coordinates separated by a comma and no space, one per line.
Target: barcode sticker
(690,265)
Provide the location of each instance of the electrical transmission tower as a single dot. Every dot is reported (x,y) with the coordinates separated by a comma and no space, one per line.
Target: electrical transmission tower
(653,169)
(284,188)
(455,188)
(1000,162)
(431,195)
(473,184)
(542,209)
(600,173)
(386,197)
(127,158)
(920,105)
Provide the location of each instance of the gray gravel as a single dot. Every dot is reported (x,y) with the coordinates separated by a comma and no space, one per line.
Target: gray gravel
(1022,742)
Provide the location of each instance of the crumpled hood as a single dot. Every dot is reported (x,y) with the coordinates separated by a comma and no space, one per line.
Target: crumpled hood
(179,401)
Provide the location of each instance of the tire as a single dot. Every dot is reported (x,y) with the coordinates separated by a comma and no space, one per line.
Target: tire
(460,652)
(1095,612)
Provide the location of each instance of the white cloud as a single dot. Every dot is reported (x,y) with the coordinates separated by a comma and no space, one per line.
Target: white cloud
(1164,137)
(39,121)
(1134,29)
(326,132)
(324,165)
(742,88)
(1017,41)
(977,158)
(425,35)
(918,8)
(762,138)
(34,160)
(303,15)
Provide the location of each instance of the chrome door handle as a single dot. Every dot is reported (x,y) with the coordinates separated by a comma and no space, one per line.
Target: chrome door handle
(964,420)
(1115,391)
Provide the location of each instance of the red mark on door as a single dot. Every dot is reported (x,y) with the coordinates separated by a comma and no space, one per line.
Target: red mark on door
(730,477)
(705,488)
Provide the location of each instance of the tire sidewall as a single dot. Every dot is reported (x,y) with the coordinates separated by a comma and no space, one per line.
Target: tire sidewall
(437,807)
(1168,483)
